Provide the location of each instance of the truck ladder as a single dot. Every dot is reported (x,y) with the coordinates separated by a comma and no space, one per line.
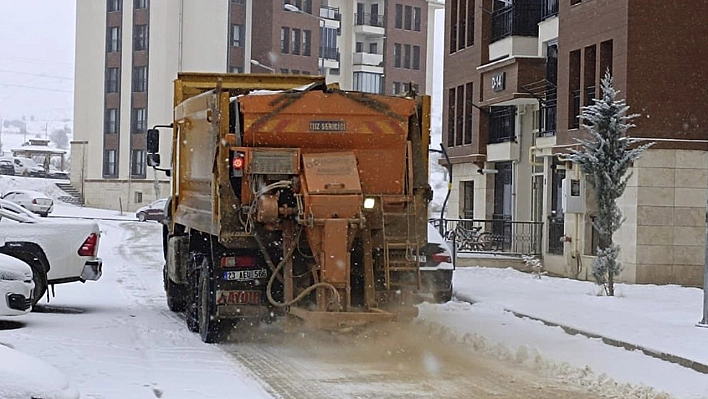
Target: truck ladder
(401,250)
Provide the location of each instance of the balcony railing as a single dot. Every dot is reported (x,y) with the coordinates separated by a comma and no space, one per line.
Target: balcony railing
(492,235)
(369,19)
(549,8)
(590,95)
(501,124)
(330,13)
(330,53)
(372,59)
(516,20)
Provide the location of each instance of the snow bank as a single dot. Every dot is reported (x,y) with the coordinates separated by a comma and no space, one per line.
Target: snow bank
(23,377)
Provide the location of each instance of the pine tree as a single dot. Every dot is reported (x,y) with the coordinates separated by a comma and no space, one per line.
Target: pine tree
(605,159)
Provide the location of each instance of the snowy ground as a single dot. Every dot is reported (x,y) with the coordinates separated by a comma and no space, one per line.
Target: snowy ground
(115,338)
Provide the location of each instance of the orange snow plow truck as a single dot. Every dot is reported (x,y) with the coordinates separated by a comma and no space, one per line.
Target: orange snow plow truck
(291,198)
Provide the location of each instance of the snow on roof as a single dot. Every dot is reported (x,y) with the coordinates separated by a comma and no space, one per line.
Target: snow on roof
(38,148)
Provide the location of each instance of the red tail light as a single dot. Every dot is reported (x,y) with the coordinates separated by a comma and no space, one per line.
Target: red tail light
(238,261)
(90,246)
(238,161)
(442,257)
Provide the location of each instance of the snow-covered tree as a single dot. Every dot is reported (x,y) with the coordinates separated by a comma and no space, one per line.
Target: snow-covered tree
(605,159)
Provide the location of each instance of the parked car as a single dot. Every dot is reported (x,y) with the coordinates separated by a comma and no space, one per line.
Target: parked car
(7,167)
(54,173)
(16,286)
(154,211)
(58,250)
(23,165)
(32,200)
(436,267)
(24,376)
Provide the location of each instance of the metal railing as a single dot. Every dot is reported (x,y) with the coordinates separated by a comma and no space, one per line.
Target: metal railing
(509,237)
(549,8)
(369,19)
(516,20)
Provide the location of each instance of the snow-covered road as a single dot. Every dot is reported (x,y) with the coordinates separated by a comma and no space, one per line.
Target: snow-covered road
(115,338)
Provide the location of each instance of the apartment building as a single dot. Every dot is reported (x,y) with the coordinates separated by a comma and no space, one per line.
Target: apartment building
(517,73)
(128,52)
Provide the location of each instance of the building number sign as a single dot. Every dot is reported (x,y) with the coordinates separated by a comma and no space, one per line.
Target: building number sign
(499,81)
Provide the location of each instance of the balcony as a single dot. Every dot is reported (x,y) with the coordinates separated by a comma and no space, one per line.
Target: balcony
(549,8)
(332,13)
(516,20)
(369,24)
(368,59)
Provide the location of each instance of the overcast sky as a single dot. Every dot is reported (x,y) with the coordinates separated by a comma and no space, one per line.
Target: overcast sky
(37,58)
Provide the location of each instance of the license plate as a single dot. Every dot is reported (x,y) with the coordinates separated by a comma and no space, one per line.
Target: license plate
(243,275)
(238,297)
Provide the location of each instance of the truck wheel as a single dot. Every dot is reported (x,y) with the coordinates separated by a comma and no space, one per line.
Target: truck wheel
(40,283)
(191,311)
(175,293)
(443,296)
(209,325)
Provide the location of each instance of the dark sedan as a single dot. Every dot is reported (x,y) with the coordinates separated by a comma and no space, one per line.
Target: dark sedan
(6,167)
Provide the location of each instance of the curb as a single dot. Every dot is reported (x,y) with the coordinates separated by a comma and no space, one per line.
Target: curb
(681,361)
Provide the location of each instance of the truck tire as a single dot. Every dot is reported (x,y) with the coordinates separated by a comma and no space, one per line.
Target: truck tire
(40,282)
(444,296)
(209,326)
(175,294)
(191,314)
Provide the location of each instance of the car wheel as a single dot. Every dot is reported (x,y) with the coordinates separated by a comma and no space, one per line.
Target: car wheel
(175,294)
(142,217)
(44,214)
(209,325)
(443,296)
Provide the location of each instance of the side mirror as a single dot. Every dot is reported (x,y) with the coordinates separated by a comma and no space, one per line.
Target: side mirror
(153,159)
(153,142)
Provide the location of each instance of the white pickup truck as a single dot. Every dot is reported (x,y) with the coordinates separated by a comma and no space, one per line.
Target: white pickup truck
(58,250)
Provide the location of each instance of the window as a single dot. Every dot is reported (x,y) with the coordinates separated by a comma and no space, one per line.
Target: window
(397,55)
(502,124)
(407,56)
(407,18)
(416,19)
(137,163)
(467,199)
(295,42)
(138,122)
(399,16)
(470,22)
(451,117)
(138,197)
(284,71)
(113,39)
(237,35)
(284,40)
(306,42)
(367,82)
(359,47)
(113,5)
(373,48)
(111,121)
(112,80)
(416,58)
(453,28)
(295,71)
(468,113)
(139,79)
(396,87)
(110,163)
(240,2)
(140,4)
(236,69)
(140,37)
